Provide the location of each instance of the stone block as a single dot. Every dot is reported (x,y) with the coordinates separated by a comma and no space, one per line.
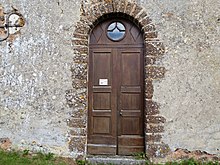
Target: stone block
(123,6)
(152,108)
(91,17)
(95,11)
(157,150)
(154,49)
(77,143)
(148,27)
(150,35)
(136,10)
(153,138)
(145,21)
(76,123)
(149,89)
(81,28)
(78,132)
(150,60)
(141,15)
(78,112)
(154,128)
(75,98)
(5,143)
(81,49)
(80,36)
(101,8)
(79,71)
(80,58)
(155,119)
(80,42)
(116,6)
(109,7)
(129,8)
(155,72)
(1,11)
(79,84)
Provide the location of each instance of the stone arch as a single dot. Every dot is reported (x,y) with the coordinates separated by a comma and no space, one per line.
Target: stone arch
(91,14)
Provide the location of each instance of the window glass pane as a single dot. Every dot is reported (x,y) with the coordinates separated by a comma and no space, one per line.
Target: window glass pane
(111,26)
(120,26)
(116,31)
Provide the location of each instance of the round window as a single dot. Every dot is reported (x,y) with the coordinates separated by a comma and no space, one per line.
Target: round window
(116,31)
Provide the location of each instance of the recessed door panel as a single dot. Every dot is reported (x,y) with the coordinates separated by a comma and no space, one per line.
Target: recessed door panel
(130,63)
(130,101)
(102,125)
(101,68)
(101,101)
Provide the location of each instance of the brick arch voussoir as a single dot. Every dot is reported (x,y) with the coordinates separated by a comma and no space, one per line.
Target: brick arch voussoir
(105,8)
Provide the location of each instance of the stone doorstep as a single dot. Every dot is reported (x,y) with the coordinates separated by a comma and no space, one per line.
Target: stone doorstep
(113,160)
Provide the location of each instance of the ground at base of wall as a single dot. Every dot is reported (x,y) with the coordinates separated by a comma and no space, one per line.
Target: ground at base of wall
(25,158)
(177,155)
(184,154)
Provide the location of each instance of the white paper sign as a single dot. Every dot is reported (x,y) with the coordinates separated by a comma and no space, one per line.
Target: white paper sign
(103,81)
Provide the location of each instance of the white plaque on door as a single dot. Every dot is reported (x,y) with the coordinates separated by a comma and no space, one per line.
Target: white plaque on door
(103,81)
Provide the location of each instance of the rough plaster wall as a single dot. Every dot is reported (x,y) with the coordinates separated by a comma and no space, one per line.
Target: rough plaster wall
(34,74)
(189,95)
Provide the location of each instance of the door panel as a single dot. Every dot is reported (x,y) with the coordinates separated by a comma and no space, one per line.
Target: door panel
(116,76)
(131,102)
(102,109)
(101,67)
(101,101)
(101,125)
(130,63)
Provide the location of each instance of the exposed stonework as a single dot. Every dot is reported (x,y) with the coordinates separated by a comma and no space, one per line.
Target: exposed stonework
(10,24)
(5,143)
(2,21)
(184,154)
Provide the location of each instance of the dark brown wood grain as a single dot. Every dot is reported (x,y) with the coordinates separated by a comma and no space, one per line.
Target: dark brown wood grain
(115,117)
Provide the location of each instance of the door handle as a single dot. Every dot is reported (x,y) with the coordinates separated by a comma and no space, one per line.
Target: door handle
(120,113)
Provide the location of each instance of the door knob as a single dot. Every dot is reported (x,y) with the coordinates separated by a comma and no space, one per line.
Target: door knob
(120,112)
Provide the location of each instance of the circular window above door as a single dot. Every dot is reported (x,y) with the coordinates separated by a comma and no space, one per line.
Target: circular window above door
(116,31)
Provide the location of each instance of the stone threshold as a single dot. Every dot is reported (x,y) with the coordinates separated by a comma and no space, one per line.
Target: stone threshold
(114,160)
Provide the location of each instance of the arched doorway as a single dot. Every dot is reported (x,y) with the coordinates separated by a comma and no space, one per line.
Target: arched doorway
(116,89)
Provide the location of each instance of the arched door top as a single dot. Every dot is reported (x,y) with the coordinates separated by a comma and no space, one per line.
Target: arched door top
(116,31)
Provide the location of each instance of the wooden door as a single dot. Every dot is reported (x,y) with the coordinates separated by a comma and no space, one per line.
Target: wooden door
(116,76)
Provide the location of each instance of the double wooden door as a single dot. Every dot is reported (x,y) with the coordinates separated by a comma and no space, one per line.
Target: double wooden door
(115,117)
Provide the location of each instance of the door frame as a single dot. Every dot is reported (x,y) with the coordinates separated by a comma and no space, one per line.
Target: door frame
(77,96)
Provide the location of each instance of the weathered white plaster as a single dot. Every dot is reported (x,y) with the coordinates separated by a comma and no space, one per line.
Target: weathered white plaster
(35,73)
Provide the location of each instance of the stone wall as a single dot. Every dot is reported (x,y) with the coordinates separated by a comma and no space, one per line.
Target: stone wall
(35,74)
(43,73)
(189,95)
